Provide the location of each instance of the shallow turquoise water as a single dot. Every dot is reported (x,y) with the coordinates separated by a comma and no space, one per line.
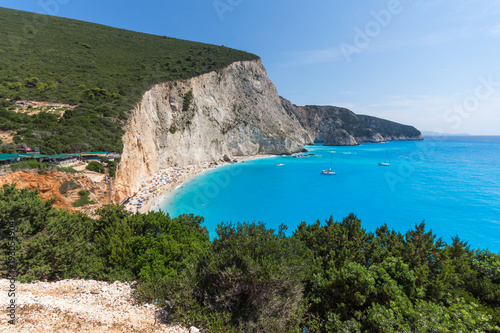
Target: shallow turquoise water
(453,185)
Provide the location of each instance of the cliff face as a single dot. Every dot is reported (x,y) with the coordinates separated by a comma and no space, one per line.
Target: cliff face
(391,130)
(336,126)
(339,137)
(234,111)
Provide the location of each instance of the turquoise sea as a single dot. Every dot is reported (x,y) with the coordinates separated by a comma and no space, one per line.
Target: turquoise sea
(452,183)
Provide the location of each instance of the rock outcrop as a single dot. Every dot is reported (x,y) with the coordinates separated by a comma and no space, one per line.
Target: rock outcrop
(324,122)
(392,131)
(340,137)
(336,126)
(235,111)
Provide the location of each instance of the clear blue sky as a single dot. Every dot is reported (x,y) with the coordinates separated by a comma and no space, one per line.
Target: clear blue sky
(432,64)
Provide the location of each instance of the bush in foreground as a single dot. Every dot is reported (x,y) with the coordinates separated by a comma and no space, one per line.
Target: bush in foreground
(256,276)
(330,277)
(53,244)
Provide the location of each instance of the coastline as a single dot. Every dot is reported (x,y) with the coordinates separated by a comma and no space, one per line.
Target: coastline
(167,180)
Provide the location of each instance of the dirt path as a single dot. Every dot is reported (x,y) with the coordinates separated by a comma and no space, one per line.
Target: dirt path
(107,179)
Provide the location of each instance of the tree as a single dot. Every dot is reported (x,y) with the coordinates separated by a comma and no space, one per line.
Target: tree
(255,276)
(95,166)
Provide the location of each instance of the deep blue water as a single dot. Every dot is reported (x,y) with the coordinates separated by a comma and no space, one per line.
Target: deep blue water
(451,183)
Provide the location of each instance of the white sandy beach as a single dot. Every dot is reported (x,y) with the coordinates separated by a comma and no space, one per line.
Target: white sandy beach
(167,180)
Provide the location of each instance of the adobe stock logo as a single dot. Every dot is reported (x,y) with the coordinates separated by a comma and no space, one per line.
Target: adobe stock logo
(219,181)
(224,6)
(454,116)
(460,111)
(51,7)
(372,29)
(32,24)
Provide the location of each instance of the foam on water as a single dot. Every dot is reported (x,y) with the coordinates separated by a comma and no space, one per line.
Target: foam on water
(453,185)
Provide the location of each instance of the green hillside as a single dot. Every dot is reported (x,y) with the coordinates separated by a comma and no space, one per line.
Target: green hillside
(102,70)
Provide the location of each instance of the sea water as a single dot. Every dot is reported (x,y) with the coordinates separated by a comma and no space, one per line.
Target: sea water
(453,184)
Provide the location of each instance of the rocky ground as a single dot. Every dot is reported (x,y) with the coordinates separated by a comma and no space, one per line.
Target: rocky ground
(49,184)
(80,306)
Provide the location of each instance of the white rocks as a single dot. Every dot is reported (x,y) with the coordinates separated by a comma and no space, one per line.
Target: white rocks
(193,329)
(80,306)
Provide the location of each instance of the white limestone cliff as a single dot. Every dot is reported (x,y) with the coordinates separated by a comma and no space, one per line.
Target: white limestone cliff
(234,111)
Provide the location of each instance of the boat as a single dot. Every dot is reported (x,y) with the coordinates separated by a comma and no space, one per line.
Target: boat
(304,155)
(281,164)
(385,163)
(329,171)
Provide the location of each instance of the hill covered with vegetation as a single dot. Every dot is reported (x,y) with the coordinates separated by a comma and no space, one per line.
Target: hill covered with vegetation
(102,70)
(328,277)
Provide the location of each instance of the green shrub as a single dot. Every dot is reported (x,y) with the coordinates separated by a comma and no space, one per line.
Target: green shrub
(67,170)
(25,165)
(32,164)
(31,82)
(83,200)
(68,186)
(55,242)
(95,166)
(188,97)
(7,149)
(390,282)
(5,103)
(116,246)
(252,276)
(112,168)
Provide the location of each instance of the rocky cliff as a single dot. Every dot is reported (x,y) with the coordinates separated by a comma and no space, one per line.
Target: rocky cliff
(234,111)
(339,137)
(391,130)
(336,126)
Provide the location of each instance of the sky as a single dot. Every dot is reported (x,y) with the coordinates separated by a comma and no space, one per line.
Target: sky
(433,64)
